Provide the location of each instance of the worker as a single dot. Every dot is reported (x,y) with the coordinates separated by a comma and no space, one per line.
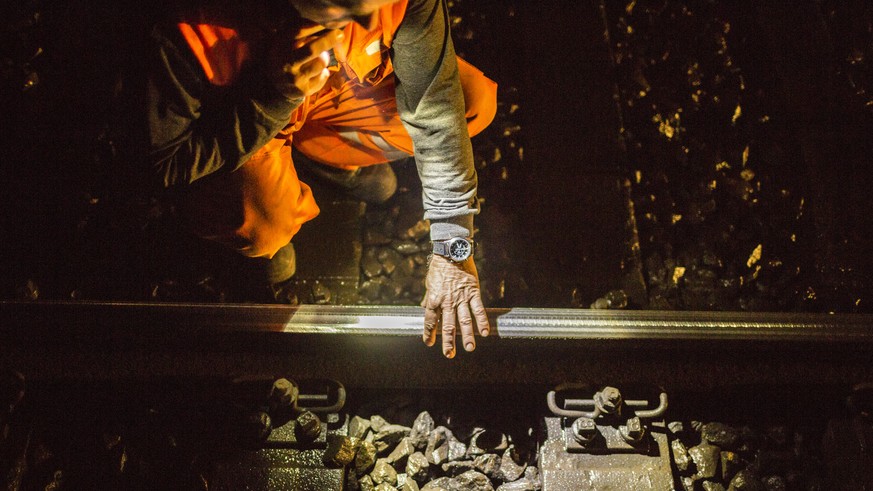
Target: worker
(238,92)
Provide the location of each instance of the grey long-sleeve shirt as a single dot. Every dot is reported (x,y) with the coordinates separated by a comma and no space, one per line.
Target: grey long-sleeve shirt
(196,128)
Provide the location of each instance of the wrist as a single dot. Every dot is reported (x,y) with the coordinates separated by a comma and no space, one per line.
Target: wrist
(455,249)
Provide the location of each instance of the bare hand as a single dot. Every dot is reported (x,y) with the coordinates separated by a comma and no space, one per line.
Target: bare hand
(453,297)
(299,59)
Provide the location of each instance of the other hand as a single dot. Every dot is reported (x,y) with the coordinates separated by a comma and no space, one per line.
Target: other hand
(453,298)
(299,59)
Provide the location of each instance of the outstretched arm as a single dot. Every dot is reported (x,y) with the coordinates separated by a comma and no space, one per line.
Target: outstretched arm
(431,105)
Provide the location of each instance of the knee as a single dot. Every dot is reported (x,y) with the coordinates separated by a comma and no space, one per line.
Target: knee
(265,233)
(264,242)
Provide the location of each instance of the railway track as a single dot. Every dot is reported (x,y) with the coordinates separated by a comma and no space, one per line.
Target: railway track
(556,372)
(528,346)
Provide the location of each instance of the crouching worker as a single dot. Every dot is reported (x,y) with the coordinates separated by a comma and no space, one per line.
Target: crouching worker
(240,92)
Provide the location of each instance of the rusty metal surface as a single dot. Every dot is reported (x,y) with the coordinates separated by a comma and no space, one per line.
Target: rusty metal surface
(276,469)
(564,471)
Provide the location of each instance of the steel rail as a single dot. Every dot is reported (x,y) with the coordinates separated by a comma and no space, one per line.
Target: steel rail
(21,318)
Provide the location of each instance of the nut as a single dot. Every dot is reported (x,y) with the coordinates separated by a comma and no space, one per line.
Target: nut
(584,430)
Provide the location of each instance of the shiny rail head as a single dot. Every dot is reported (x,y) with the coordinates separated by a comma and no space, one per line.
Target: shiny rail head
(515,323)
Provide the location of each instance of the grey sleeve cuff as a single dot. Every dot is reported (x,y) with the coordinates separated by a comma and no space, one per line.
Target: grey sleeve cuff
(461,226)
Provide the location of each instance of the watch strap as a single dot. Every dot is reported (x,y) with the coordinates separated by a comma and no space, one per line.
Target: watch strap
(441,247)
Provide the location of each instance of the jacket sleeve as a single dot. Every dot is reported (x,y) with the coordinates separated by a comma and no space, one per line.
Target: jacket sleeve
(431,105)
(194,128)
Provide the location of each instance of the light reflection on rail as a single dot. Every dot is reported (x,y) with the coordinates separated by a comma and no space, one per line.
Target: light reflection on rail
(518,323)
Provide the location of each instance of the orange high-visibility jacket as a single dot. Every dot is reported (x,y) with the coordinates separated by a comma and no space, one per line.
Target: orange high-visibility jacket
(222,51)
(265,202)
(258,207)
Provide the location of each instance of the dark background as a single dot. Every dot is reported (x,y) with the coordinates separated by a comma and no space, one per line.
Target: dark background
(654,154)
(684,155)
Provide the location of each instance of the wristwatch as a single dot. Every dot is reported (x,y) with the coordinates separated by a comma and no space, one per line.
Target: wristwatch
(457,249)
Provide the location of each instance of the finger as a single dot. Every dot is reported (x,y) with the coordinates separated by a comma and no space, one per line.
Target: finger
(448,325)
(311,68)
(431,321)
(480,314)
(310,30)
(314,51)
(317,83)
(466,322)
(319,43)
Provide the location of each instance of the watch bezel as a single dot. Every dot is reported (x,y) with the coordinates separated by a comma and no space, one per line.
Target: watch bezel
(449,246)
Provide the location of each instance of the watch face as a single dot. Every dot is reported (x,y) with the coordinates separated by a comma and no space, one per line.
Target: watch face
(460,249)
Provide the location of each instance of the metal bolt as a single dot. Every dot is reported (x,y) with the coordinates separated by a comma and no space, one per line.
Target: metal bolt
(308,426)
(283,394)
(633,430)
(320,293)
(608,400)
(584,430)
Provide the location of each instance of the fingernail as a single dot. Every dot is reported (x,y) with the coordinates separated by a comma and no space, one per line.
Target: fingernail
(469,346)
(450,353)
(485,333)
